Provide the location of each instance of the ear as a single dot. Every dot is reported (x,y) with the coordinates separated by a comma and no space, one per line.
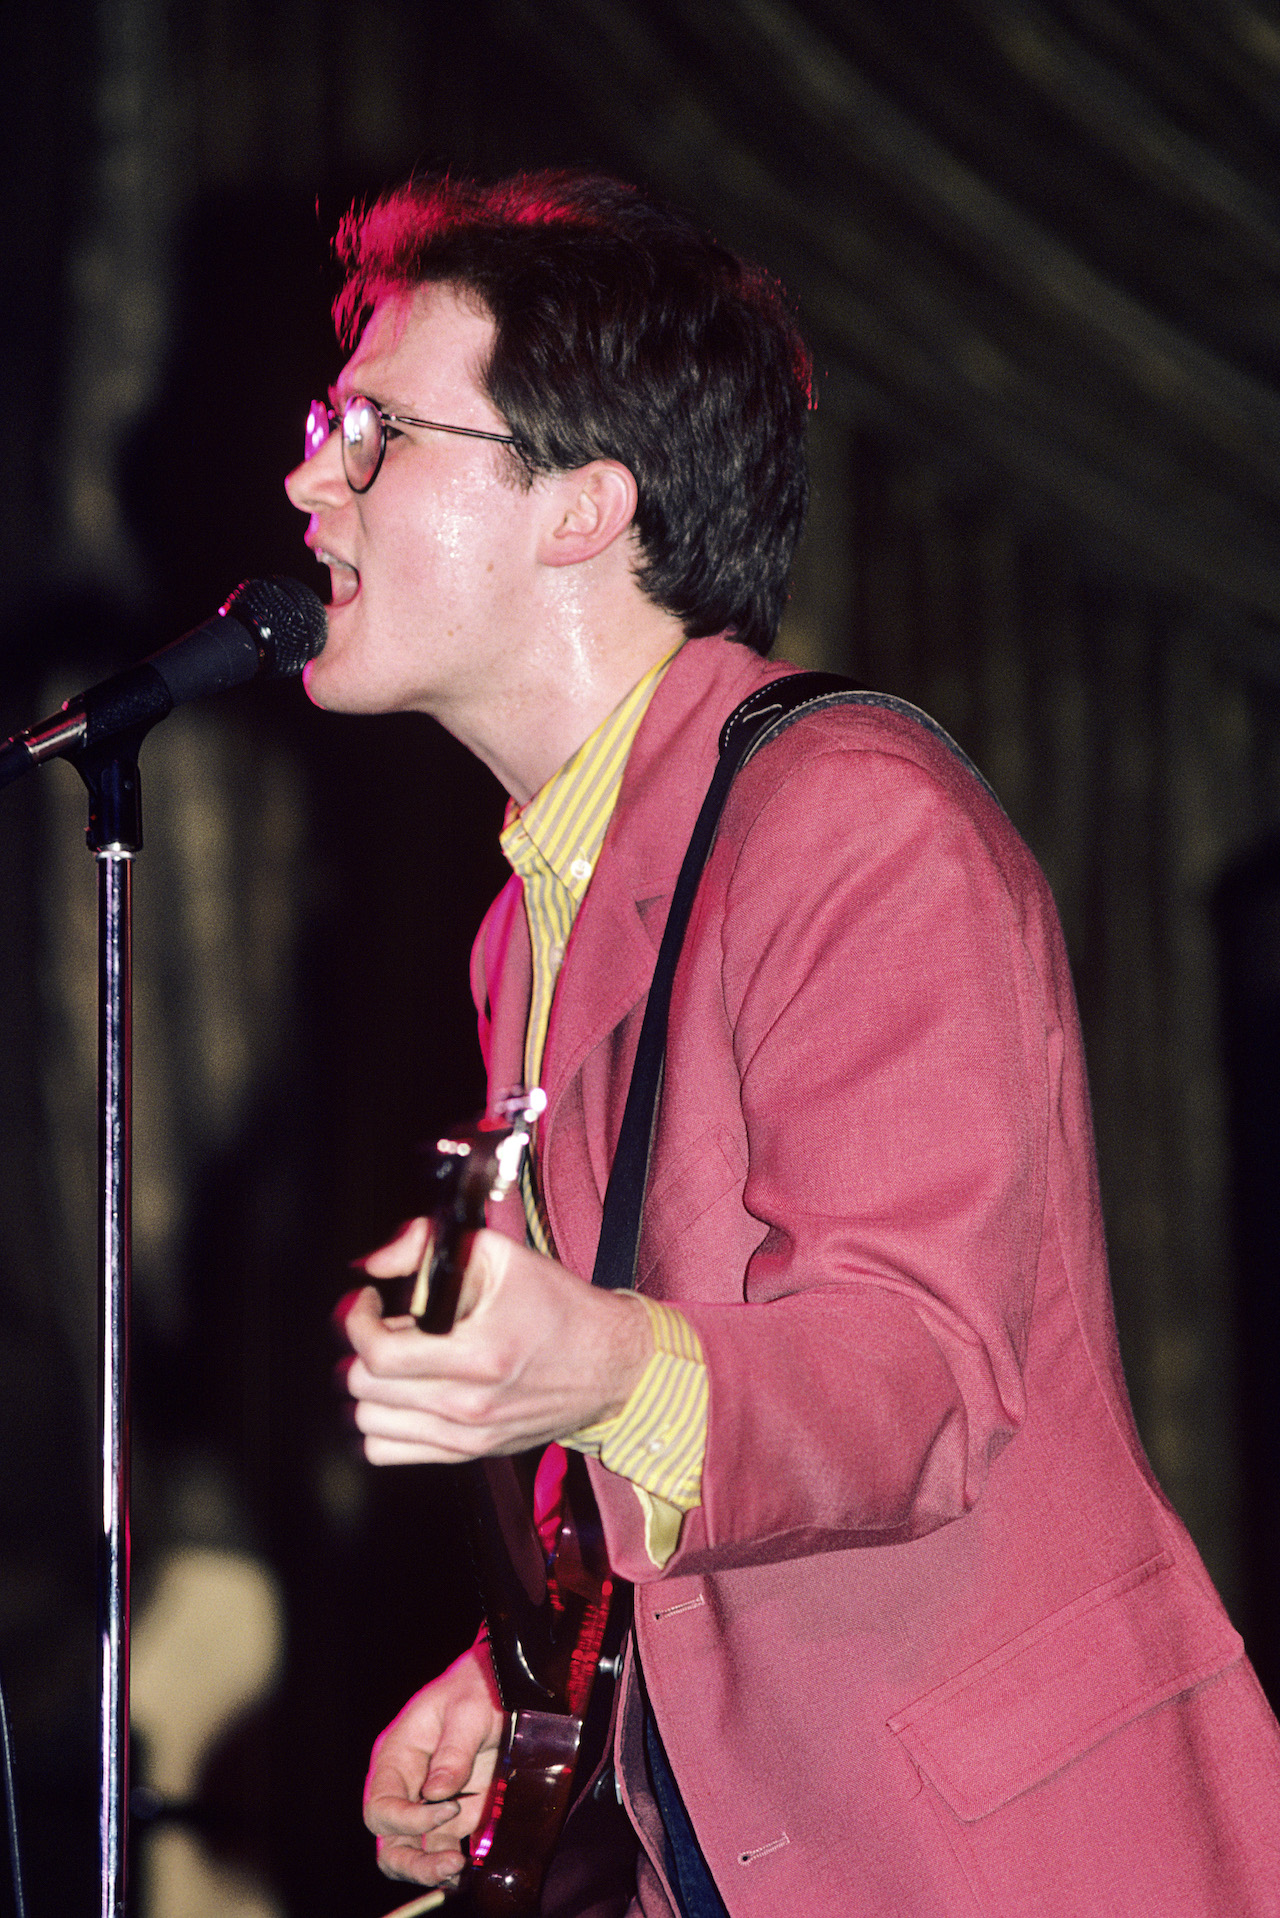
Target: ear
(591,507)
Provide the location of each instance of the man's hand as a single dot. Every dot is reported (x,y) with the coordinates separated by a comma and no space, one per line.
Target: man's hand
(430,1772)
(535,1354)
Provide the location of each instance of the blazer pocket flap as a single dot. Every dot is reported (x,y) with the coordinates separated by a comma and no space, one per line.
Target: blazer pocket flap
(1061,1687)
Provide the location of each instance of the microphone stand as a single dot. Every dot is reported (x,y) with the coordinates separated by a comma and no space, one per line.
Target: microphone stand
(266,626)
(114,834)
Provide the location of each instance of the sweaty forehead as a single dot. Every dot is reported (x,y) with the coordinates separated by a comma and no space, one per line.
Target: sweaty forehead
(421,348)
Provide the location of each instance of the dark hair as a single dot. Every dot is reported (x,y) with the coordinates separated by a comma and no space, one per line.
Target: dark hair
(622,332)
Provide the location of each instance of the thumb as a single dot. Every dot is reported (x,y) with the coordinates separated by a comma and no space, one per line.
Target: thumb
(447,1775)
(486,1256)
(400,1255)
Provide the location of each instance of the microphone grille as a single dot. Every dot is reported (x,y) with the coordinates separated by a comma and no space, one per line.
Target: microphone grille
(286,618)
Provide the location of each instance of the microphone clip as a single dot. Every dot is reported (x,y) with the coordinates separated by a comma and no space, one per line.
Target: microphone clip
(110,772)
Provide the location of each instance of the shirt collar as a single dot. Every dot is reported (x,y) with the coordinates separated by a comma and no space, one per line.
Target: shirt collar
(562,828)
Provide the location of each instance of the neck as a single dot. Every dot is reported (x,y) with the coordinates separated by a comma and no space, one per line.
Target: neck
(526,734)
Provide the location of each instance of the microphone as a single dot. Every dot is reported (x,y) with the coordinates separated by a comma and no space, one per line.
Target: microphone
(268,627)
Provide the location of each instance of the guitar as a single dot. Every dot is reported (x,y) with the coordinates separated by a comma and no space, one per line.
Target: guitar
(556,1622)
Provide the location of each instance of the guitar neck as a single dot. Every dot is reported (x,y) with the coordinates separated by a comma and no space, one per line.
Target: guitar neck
(549,1618)
(515,1595)
(529,1641)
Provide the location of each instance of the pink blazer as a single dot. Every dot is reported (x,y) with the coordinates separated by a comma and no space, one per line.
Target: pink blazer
(934,1641)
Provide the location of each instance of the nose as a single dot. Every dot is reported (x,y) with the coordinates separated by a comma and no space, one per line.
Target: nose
(319,481)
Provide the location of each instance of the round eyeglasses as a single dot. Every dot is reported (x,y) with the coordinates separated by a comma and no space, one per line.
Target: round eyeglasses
(364,436)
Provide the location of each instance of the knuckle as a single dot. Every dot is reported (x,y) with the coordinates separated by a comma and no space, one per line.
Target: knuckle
(390,1863)
(476,1404)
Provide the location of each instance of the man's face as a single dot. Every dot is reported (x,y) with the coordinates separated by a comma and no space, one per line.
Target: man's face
(431,567)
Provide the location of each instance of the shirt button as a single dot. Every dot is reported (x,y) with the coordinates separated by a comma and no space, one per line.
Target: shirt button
(655,1445)
(580,869)
(556,956)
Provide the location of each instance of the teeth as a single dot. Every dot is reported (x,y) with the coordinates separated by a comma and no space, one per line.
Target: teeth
(343,577)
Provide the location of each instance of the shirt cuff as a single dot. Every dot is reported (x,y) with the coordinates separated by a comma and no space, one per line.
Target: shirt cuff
(659,1438)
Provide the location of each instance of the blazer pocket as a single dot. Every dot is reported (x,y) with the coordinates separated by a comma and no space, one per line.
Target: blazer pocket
(1060,1688)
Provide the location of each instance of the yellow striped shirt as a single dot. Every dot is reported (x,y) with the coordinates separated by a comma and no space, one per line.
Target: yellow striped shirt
(553,842)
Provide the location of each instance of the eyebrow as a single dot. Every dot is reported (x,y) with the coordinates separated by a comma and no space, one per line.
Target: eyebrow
(393,408)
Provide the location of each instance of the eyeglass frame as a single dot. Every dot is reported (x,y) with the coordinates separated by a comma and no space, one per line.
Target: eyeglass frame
(332,419)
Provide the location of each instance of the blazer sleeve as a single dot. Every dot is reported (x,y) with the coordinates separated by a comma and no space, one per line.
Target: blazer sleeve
(890,986)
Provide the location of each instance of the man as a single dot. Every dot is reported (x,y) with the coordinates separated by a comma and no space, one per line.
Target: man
(916,1632)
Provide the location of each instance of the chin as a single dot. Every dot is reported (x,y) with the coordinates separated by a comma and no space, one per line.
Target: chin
(335,690)
(324,688)
(316,694)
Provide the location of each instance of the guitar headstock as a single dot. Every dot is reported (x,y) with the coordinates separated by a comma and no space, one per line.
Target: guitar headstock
(468,1169)
(482,1161)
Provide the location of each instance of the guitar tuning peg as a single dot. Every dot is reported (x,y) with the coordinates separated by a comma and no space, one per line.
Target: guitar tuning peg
(508,1158)
(521,1105)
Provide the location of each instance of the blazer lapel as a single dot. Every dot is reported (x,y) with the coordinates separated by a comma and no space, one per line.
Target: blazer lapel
(501,982)
(619,927)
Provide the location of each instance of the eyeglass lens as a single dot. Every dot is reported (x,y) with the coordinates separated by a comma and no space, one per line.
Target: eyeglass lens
(361,444)
(316,431)
(361,430)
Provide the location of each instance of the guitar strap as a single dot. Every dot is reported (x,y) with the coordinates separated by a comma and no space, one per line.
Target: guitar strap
(762,716)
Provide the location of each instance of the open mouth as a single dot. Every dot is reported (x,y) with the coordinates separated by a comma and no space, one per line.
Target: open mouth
(344,580)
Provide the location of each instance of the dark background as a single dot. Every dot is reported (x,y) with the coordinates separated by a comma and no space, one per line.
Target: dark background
(1037,251)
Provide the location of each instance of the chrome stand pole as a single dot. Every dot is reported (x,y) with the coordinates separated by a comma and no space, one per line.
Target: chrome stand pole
(115,872)
(115,837)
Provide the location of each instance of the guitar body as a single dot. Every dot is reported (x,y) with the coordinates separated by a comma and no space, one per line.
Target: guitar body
(532,1791)
(555,1624)
(544,1760)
